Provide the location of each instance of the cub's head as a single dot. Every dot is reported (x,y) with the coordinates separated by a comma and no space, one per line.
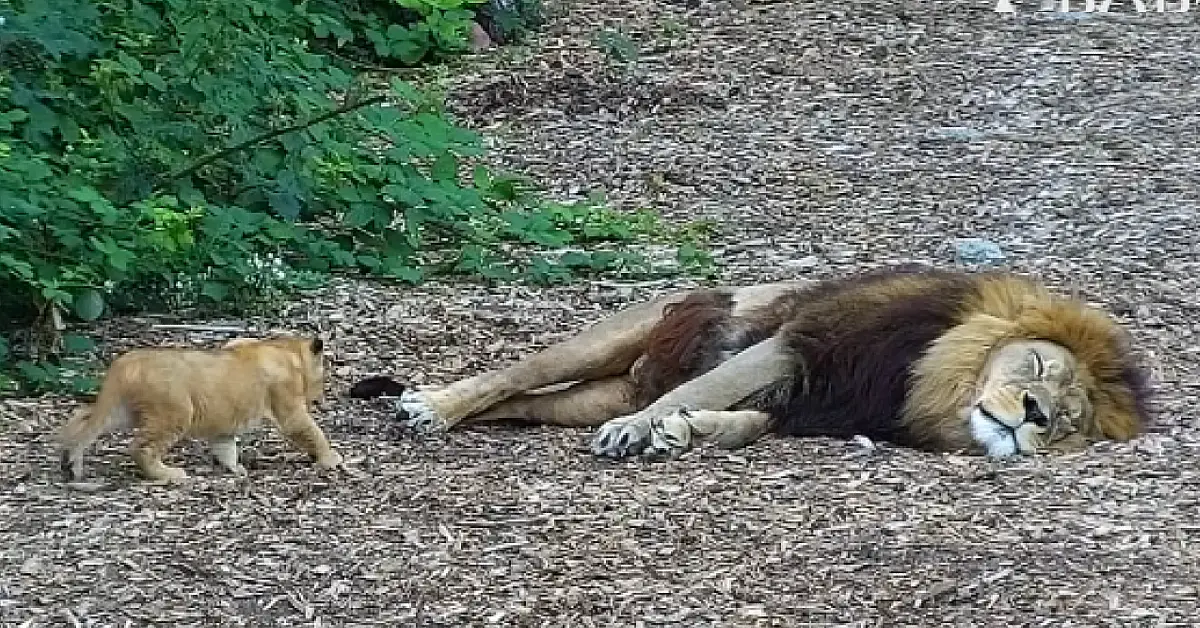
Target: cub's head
(1029,395)
(312,357)
(309,354)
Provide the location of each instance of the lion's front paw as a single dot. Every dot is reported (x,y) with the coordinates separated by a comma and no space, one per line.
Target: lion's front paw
(656,437)
(416,413)
(622,437)
(168,476)
(670,435)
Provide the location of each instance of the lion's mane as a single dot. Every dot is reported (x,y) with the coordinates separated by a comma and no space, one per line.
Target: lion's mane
(897,354)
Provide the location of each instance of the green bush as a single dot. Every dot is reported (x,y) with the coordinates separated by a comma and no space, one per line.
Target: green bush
(215,153)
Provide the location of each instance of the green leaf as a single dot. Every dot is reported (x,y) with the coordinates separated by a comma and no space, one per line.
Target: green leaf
(154,80)
(86,194)
(88,304)
(51,293)
(359,216)
(403,194)
(286,204)
(287,196)
(35,373)
(8,118)
(406,273)
(575,259)
(19,268)
(74,343)
(605,259)
(445,168)
(215,290)
(84,385)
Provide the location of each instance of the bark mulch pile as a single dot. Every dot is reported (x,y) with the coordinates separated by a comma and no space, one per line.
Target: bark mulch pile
(823,138)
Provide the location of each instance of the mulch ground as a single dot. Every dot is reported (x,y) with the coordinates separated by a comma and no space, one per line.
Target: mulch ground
(823,138)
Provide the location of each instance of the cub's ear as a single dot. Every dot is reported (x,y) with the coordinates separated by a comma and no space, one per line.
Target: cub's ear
(317,346)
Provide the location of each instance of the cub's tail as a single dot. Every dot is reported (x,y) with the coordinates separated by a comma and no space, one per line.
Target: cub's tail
(88,424)
(377,386)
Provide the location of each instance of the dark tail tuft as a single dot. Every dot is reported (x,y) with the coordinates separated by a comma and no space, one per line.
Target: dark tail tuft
(377,386)
(65,466)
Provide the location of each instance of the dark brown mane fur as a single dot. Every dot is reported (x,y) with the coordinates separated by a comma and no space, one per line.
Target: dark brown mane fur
(682,344)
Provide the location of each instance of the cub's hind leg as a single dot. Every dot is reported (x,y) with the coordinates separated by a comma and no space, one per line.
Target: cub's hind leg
(225,450)
(607,348)
(154,438)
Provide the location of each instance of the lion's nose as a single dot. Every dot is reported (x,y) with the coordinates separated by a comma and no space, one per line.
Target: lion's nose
(1033,412)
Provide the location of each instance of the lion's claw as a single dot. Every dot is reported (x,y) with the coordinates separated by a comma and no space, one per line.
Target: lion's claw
(415,413)
(621,439)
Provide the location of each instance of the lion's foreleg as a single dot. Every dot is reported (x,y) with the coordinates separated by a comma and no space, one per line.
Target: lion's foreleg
(758,367)
(607,348)
(682,429)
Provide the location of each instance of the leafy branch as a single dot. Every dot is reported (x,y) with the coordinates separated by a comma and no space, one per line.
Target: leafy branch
(272,134)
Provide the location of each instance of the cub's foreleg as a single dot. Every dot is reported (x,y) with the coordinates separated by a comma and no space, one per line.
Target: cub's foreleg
(298,426)
(160,431)
(746,373)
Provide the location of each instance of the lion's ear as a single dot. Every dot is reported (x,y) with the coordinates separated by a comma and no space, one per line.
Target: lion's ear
(317,346)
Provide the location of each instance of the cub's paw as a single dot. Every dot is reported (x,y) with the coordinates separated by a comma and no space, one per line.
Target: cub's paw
(332,460)
(168,476)
(237,471)
(70,466)
(414,412)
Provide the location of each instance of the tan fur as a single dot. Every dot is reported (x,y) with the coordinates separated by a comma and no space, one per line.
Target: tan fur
(169,394)
(994,323)
(956,373)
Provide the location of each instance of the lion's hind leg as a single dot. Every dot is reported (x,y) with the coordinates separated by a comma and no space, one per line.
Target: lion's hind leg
(583,404)
(606,349)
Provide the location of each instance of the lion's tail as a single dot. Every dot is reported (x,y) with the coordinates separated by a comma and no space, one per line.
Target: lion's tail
(110,411)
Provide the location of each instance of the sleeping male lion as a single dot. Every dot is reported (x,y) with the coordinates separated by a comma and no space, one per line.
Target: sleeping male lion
(168,393)
(988,363)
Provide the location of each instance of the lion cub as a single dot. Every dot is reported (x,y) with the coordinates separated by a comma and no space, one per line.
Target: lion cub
(167,394)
